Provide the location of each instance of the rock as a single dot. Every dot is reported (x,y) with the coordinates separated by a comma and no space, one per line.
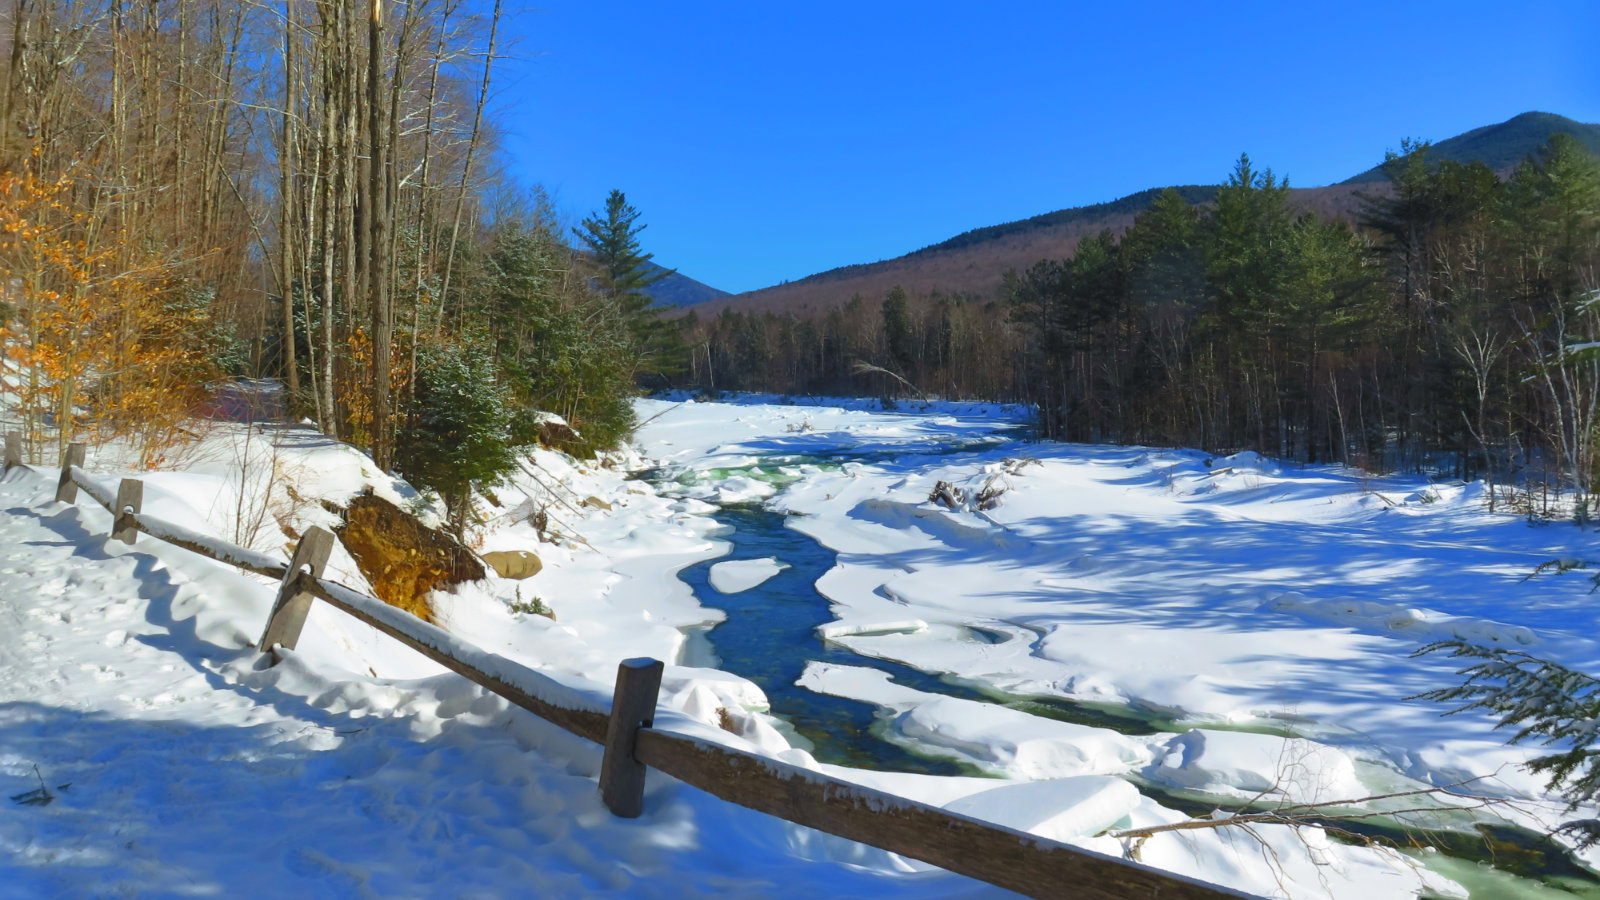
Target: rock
(555,433)
(402,558)
(513,564)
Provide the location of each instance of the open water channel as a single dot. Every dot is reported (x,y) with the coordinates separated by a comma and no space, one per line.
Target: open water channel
(771,633)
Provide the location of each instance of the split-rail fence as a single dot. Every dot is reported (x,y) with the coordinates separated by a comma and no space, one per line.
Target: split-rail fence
(1012,859)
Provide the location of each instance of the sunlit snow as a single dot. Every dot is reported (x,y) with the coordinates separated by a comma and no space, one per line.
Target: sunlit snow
(1250,623)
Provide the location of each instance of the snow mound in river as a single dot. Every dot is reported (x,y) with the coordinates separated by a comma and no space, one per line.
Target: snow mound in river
(1016,743)
(1245,765)
(736,576)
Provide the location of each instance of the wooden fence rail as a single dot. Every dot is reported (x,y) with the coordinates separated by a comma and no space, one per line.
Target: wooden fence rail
(1016,860)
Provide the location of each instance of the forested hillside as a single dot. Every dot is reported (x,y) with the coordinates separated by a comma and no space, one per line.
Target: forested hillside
(972,264)
(1501,146)
(197,189)
(1455,324)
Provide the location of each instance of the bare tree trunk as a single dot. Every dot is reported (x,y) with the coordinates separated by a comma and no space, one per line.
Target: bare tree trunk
(424,241)
(466,167)
(286,198)
(379,212)
(19,42)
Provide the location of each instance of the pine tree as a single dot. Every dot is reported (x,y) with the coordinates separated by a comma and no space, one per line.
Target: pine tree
(897,331)
(456,438)
(1557,706)
(625,272)
(614,241)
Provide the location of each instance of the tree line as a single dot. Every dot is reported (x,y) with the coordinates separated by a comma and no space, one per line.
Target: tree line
(1455,327)
(306,190)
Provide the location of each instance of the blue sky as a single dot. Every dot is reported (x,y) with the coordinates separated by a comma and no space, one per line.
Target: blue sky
(764,142)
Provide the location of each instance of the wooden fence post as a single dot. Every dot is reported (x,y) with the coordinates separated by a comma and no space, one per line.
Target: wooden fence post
(130,495)
(13,450)
(633,706)
(66,489)
(293,602)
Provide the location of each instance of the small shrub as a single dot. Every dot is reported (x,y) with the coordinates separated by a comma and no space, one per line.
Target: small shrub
(456,436)
(534,606)
(947,495)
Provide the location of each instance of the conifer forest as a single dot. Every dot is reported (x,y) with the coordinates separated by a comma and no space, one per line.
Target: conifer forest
(1453,327)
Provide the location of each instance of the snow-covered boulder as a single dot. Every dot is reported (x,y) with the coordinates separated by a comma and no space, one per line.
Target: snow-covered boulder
(1059,809)
(1018,744)
(1240,764)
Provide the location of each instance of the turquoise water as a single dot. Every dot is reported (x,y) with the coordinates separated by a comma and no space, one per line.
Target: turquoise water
(770,634)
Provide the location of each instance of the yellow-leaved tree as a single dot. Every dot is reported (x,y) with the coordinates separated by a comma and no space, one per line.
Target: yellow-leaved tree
(101,336)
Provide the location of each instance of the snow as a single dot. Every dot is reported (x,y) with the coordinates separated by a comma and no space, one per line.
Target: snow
(743,574)
(131,684)
(1423,624)
(1248,765)
(1260,615)
(1002,741)
(1060,809)
(1217,595)
(1016,744)
(909,626)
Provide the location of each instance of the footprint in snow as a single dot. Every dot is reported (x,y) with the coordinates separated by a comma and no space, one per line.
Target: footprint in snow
(101,673)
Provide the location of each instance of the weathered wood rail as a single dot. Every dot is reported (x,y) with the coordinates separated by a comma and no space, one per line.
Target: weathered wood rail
(1011,859)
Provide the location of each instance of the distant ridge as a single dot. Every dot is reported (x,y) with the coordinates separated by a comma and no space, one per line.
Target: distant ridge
(680,290)
(1130,205)
(972,263)
(1502,146)
(1094,213)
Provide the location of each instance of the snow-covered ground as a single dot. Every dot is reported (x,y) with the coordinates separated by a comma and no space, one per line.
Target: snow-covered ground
(1234,601)
(1230,601)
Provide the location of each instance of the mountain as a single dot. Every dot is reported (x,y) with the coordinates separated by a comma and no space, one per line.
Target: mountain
(1501,147)
(969,264)
(972,264)
(1129,205)
(680,290)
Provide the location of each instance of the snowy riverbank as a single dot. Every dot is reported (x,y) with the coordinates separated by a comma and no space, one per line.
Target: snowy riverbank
(1218,604)
(1237,597)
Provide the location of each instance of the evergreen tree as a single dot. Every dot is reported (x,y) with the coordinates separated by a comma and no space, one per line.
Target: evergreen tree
(1165,256)
(1404,217)
(614,241)
(1544,701)
(625,272)
(897,331)
(1249,228)
(561,347)
(1554,205)
(456,436)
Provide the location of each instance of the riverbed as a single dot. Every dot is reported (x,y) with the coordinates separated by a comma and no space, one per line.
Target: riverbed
(840,499)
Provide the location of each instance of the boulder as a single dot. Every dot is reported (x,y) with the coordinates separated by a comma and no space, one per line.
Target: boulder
(402,558)
(556,433)
(513,564)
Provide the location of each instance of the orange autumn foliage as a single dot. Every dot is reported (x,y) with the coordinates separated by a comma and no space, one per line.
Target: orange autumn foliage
(357,372)
(95,340)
